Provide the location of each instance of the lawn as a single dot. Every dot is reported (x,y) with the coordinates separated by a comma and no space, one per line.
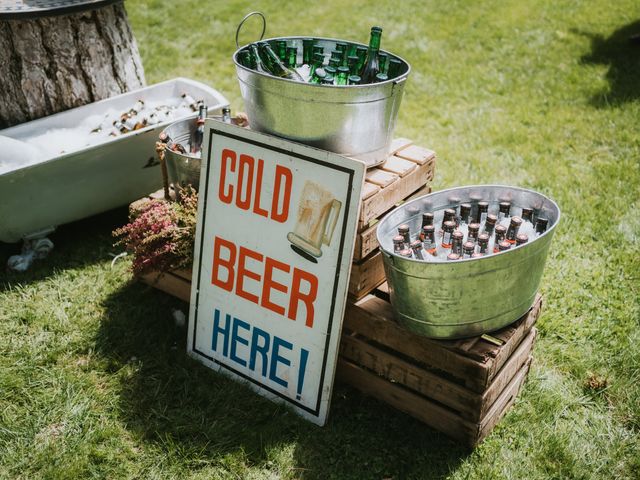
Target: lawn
(94,380)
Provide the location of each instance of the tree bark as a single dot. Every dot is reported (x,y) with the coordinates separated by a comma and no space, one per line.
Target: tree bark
(55,63)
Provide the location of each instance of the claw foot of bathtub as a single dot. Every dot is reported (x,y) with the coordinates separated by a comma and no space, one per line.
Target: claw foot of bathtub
(32,249)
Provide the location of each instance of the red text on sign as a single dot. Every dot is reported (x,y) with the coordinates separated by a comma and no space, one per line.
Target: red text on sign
(230,272)
(241,182)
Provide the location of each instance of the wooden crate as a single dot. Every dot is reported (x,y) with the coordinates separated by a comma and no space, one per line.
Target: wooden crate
(460,387)
(405,175)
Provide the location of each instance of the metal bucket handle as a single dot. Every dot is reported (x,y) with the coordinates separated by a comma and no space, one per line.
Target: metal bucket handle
(246,17)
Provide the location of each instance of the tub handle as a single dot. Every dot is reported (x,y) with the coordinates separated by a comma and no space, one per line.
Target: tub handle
(246,17)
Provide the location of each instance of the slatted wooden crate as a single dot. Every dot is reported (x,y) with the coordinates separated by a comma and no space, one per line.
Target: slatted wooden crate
(460,387)
(406,174)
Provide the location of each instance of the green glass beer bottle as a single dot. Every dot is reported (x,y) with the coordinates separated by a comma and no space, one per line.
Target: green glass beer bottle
(334,62)
(394,67)
(257,60)
(361,53)
(307,51)
(281,46)
(278,68)
(352,63)
(381,77)
(292,57)
(327,80)
(353,80)
(316,63)
(372,68)
(332,71)
(317,49)
(383,60)
(318,75)
(245,59)
(343,73)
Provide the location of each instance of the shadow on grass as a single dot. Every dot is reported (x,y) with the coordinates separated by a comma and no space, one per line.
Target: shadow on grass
(621,51)
(76,245)
(204,418)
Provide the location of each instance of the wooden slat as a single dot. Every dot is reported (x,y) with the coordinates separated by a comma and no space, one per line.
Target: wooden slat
(418,379)
(169,283)
(366,241)
(381,178)
(382,201)
(515,363)
(502,405)
(369,189)
(399,166)
(366,275)
(512,339)
(374,319)
(428,412)
(399,144)
(416,154)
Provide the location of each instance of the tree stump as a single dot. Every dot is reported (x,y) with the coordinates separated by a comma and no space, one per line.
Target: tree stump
(58,62)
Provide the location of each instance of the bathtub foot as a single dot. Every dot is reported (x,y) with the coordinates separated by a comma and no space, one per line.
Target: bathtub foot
(32,249)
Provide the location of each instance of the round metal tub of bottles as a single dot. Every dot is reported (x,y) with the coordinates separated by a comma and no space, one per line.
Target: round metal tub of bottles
(466,261)
(182,154)
(331,94)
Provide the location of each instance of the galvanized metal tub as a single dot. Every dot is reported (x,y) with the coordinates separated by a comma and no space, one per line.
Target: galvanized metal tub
(183,168)
(354,120)
(457,299)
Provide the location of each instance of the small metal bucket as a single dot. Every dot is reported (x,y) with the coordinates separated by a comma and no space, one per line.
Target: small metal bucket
(355,120)
(182,168)
(457,299)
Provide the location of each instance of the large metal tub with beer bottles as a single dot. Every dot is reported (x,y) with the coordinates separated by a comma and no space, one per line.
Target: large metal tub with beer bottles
(355,120)
(447,299)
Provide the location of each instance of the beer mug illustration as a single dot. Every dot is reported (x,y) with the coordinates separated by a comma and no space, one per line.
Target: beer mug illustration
(318,213)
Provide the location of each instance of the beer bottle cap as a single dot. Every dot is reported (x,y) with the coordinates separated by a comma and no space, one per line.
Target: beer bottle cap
(483,206)
(483,238)
(527,213)
(474,227)
(516,221)
(468,247)
(416,244)
(504,245)
(521,239)
(449,225)
(465,209)
(427,218)
(492,219)
(541,224)
(453,256)
(501,229)
(505,207)
(476,255)
(428,229)
(458,235)
(404,228)
(406,253)
(344,70)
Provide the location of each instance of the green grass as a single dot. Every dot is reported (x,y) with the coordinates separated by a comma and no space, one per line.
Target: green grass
(542,94)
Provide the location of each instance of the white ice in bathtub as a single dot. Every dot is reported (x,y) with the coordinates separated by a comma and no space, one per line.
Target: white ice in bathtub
(15,154)
(93,130)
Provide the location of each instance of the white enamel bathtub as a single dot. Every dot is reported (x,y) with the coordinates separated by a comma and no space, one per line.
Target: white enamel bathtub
(34,199)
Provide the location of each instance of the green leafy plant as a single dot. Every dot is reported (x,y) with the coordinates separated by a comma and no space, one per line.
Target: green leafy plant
(160,233)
